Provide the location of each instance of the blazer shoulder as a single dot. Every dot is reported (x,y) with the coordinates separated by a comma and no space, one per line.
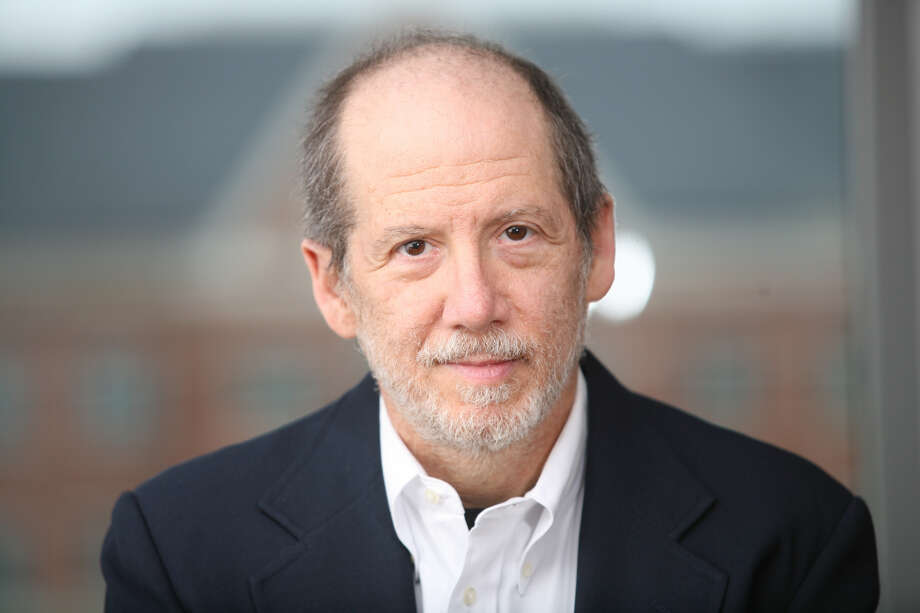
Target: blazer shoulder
(236,466)
(733,467)
(201,523)
(237,475)
(737,465)
(792,536)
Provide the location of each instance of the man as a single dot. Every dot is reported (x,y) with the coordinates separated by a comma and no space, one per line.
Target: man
(457,228)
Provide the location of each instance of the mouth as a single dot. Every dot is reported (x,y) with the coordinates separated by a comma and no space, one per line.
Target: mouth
(483,371)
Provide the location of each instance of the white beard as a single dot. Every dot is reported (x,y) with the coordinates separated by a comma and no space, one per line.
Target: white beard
(491,418)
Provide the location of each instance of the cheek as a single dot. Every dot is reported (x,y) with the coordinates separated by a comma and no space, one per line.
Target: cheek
(404,313)
(543,290)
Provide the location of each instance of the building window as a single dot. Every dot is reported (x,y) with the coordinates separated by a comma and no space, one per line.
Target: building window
(270,388)
(17,576)
(722,383)
(13,409)
(119,398)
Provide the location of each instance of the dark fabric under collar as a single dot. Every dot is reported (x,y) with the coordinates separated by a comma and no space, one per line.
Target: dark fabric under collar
(471,515)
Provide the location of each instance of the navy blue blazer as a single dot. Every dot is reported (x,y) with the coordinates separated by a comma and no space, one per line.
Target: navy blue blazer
(679,516)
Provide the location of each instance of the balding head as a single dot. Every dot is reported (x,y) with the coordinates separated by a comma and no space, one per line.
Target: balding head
(483,69)
(438,116)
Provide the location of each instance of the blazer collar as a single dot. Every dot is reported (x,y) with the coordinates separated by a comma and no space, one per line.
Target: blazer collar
(639,500)
(332,501)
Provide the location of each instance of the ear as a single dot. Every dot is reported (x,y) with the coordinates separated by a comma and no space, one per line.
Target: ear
(335,309)
(603,239)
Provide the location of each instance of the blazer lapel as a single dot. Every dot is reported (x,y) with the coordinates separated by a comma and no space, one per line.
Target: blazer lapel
(639,500)
(344,553)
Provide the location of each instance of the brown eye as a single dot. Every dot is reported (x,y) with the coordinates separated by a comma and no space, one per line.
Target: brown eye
(416,247)
(517,233)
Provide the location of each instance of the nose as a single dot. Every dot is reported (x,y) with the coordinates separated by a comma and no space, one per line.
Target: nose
(474,297)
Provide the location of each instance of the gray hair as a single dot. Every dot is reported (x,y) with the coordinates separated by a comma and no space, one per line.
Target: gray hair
(328,217)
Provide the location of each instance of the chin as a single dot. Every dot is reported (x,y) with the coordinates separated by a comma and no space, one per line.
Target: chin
(486,396)
(483,418)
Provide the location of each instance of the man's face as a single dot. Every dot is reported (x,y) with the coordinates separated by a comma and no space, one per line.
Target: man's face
(465,272)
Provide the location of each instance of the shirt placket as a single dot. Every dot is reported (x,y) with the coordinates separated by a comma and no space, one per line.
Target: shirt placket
(529,561)
(497,539)
(441,561)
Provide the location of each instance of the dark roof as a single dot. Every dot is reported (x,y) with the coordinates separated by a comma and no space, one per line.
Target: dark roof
(706,130)
(141,146)
(144,145)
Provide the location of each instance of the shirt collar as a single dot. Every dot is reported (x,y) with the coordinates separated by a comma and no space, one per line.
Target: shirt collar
(399,465)
(564,468)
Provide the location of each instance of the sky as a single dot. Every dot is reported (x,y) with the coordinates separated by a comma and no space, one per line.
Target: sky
(62,35)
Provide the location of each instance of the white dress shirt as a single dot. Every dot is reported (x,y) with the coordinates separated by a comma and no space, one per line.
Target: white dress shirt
(521,554)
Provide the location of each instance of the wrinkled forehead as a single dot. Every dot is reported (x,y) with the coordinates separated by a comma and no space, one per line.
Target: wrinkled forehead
(440,108)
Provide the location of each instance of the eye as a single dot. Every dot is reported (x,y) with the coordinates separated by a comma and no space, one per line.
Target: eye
(414,247)
(517,233)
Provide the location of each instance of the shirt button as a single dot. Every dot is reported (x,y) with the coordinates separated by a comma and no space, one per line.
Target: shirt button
(432,496)
(469,596)
(526,570)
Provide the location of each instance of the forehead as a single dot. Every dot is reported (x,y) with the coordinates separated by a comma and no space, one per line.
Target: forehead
(440,113)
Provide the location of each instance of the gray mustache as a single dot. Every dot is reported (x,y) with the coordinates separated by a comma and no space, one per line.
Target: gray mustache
(497,344)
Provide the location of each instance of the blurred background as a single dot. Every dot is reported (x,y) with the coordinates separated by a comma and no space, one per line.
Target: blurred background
(154,305)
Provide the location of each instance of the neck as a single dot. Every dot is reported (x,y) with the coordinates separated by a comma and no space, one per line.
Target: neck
(485,478)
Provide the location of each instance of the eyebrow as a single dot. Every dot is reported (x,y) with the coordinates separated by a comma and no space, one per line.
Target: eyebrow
(528,211)
(394,234)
